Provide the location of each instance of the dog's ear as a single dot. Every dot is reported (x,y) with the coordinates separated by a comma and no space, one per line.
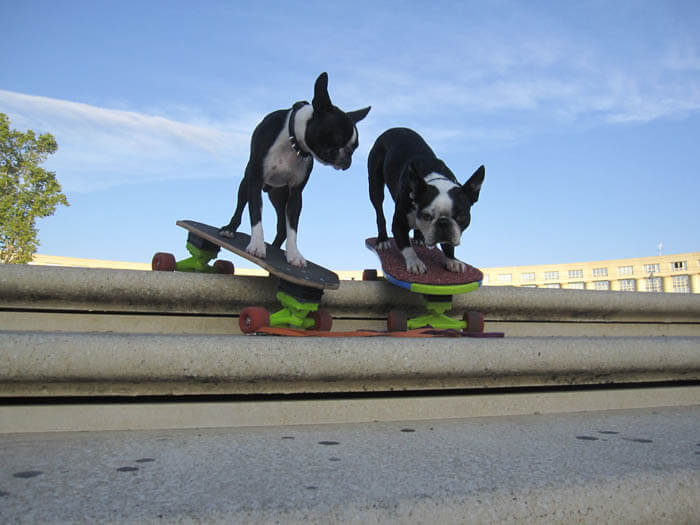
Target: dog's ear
(473,186)
(357,116)
(321,101)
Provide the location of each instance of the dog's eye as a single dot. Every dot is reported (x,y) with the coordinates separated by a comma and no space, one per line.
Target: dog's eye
(461,217)
(425,216)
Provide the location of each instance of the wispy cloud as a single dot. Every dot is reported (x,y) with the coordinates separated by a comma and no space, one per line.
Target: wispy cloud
(125,146)
(557,79)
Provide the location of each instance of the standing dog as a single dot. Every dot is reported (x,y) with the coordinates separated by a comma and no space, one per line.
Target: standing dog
(282,152)
(428,197)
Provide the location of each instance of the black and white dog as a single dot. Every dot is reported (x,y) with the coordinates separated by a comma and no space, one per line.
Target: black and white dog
(427,195)
(282,152)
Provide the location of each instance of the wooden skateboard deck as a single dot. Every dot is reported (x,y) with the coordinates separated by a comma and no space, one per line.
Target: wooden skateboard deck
(275,262)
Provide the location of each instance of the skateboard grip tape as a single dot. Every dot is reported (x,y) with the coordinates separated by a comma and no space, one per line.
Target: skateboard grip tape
(394,264)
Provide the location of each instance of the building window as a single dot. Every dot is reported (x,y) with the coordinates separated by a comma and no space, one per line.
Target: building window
(528,286)
(600,272)
(551,276)
(505,277)
(551,285)
(601,285)
(653,284)
(575,274)
(679,266)
(628,285)
(527,277)
(681,284)
(625,270)
(486,278)
(576,286)
(652,268)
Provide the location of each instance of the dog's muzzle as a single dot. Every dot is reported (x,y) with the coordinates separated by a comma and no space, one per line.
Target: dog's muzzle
(343,165)
(446,232)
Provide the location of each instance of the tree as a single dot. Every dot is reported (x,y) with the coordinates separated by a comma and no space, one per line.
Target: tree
(27,191)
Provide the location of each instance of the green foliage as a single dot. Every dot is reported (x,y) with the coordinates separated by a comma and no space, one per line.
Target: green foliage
(27,191)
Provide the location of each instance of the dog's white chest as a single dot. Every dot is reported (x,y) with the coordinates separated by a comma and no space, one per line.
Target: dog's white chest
(282,166)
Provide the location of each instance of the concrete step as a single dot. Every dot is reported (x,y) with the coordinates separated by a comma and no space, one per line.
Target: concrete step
(77,364)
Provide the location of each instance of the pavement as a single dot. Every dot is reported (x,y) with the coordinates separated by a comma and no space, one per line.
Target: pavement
(631,466)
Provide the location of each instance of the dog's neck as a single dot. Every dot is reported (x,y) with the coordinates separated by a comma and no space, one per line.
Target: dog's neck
(296,126)
(433,177)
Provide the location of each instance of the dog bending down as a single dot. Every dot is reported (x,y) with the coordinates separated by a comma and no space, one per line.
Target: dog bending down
(428,198)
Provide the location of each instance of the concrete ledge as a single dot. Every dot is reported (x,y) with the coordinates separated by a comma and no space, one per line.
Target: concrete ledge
(46,288)
(46,363)
(638,466)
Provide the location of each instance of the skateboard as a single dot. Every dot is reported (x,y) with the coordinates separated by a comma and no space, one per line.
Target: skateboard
(299,290)
(437,287)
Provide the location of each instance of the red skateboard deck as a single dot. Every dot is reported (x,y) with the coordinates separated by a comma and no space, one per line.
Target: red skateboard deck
(437,286)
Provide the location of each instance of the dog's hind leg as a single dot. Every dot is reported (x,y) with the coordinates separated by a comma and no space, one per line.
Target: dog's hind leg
(232,226)
(418,237)
(375,167)
(279,198)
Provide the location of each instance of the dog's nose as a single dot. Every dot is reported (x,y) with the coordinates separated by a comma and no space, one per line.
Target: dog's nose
(443,223)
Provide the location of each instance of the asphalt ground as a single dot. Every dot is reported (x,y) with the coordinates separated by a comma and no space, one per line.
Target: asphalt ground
(631,466)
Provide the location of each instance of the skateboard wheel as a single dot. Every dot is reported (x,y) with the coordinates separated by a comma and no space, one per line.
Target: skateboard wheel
(323,321)
(253,318)
(475,322)
(397,321)
(163,262)
(369,275)
(225,267)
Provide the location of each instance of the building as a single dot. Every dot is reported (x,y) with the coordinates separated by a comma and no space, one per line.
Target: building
(663,273)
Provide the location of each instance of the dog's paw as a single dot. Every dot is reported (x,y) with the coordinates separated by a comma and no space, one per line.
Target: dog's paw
(413,263)
(455,265)
(226,233)
(296,259)
(257,249)
(416,266)
(384,245)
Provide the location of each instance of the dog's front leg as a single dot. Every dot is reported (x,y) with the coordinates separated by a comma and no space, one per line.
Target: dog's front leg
(452,264)
(400,229)
(294,257)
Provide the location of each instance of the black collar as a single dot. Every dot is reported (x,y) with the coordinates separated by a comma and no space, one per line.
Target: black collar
(292,137)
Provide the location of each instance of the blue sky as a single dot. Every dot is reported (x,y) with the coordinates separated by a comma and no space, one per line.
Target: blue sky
(586,115)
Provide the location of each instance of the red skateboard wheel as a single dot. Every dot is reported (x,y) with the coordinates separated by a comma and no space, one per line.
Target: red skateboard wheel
(225,267)
(370,275)
(323,321)
(475,322)
(253,318)
(397,321)
(163,262)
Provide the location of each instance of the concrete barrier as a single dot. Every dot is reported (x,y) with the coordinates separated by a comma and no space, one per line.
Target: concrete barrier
(36,287)
(72,299)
